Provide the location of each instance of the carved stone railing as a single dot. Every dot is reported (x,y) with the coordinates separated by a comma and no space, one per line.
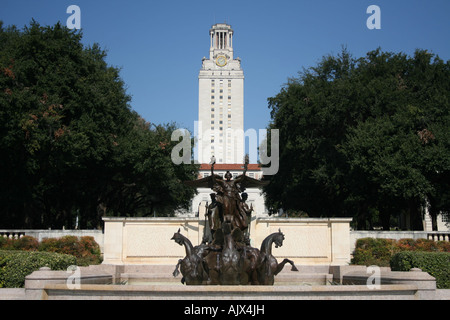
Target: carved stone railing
(438,235)
(12,234)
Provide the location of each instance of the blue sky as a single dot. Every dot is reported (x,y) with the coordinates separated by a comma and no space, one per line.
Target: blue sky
(159,44)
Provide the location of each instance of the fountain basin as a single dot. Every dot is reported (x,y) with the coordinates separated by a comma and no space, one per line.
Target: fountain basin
(149,282)
(275,292)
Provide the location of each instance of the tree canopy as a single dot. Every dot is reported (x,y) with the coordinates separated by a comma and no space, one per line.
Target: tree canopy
(70,144)
(365,137)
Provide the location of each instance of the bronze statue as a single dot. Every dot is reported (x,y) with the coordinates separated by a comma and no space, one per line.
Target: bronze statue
(269,267)
(191,266)
(230,202)
(229,259)
(214,214)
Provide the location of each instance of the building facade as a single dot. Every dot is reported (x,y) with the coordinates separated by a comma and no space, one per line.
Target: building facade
(221,101)
(220,131)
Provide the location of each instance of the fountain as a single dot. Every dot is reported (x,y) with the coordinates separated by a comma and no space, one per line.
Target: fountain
(228,258)
(224,266)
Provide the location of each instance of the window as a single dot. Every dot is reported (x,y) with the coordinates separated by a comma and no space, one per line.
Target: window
(445,217)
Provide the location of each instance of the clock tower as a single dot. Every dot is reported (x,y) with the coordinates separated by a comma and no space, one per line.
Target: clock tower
(220,130)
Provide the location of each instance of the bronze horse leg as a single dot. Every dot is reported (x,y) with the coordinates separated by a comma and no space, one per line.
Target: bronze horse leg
(281,266)
(176,271)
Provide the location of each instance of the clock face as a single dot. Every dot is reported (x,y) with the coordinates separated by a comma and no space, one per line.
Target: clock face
(221,61)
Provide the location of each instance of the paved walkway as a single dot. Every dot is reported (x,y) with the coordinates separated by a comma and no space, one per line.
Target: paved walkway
(19,294)
(12,294)
(442,294)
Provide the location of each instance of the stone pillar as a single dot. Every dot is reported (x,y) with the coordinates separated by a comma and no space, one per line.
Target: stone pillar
(113,241)
(340,242)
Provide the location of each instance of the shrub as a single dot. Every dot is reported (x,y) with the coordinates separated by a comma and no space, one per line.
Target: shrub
(372,251)
(3,242)
(85,248)
(437,264)
(26,243)
(16,265)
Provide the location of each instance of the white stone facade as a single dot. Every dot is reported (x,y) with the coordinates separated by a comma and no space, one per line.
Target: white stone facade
(255,196)
(309,241)
(220,130)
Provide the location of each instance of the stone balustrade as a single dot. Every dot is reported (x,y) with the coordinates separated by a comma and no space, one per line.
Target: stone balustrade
(438,235)
(12,234)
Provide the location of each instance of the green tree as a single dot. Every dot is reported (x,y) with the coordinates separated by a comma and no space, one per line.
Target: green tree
(364,137)
(70,145)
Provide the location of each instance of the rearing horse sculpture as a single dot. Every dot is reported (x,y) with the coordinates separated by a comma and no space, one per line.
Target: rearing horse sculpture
(192,266)
(269,267)
(231,261)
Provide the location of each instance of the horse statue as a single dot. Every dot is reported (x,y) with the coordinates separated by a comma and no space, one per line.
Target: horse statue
(192,266)
(251,259)
(230,260)
(269,267)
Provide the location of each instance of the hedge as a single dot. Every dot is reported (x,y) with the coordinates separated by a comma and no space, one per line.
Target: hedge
(437,264)
(84,248)
(373,251)
(16,265)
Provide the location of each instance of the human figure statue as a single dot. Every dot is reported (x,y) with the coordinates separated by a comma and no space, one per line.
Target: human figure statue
(246,212)
(228,196)
(231,199)
(229,259)
(214,213)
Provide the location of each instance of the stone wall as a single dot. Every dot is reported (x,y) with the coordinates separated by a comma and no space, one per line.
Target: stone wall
(41,234)
(308,241)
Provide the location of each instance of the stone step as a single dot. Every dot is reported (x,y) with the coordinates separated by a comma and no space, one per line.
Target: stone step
(168,269)
(309,275)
